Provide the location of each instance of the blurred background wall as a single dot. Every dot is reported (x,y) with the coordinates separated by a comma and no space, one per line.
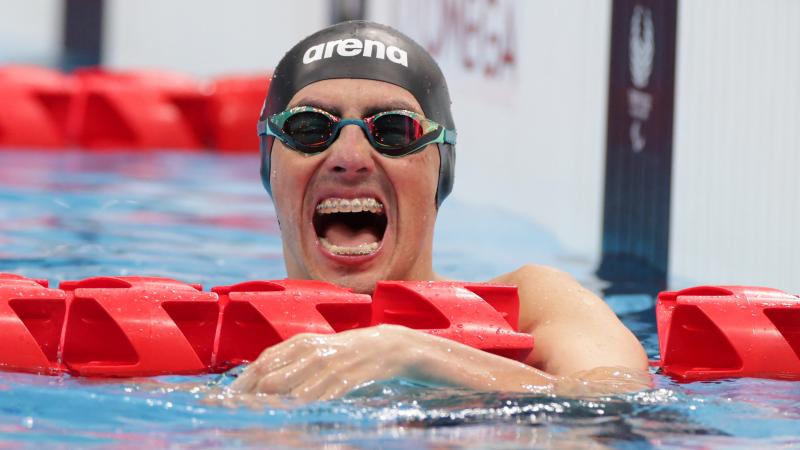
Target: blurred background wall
(736,194)
(31,31)
(207,38)
(530,85)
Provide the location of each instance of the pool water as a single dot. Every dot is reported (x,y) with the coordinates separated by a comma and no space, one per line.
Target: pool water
(204,218)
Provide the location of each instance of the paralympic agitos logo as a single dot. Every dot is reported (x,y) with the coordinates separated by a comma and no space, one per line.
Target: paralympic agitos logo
(355,47)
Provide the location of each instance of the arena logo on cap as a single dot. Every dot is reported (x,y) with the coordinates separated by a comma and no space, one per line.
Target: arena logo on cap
(355,47)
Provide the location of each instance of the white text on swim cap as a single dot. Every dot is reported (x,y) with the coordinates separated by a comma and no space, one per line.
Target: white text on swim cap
(354,47)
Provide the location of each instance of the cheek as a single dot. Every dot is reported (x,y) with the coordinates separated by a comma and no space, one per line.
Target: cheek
(430,160)
(288,177)
(421,177)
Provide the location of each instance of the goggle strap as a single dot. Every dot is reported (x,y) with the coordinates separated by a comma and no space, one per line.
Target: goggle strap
(450,136)
(263,127)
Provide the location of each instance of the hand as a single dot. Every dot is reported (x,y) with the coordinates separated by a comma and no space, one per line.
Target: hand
(321,367)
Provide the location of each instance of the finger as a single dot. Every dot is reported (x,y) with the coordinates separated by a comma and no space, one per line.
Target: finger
(342,377)
(338,389)
(362,372)
(283,380)
(272,359)
(313,388)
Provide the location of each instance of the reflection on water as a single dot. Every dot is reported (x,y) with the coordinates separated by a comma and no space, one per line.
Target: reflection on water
(397,414)
(204,218)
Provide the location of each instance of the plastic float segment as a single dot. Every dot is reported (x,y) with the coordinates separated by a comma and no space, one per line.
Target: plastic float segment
(456,311)
(231,106)
(36,103)
(138,109)
(137,326)
(102,109)
(259,314)
(31,318)
(712,332)
(141,326)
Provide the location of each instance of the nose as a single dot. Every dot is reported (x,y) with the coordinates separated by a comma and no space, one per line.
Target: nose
(351,158)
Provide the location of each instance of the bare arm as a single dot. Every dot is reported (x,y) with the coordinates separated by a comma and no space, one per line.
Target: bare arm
(574,330)
(311,366)
(580,345)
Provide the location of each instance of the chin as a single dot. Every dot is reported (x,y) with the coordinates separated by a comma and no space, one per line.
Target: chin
(366,288)
(358,283)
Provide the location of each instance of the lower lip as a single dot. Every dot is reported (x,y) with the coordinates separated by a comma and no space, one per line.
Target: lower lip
(351,260)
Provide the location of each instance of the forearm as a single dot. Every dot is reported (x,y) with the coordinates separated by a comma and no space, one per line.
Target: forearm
(455,364)
(312,367)
(462,366)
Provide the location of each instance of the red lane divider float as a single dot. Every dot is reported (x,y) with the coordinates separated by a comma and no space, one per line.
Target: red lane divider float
(128,110)
(129,326)
(31,320)
(233,107)
(712,332)
(36,104)
(138,110)
(260,314)
(458,311)
(143,326)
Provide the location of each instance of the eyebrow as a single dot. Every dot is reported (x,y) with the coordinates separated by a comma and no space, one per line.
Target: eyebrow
(389,105)
(316,103)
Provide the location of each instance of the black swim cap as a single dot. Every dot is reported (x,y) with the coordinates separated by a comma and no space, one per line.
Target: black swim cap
(365,50)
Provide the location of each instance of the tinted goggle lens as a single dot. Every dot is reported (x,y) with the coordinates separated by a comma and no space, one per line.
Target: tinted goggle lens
(309,128)
(396,130)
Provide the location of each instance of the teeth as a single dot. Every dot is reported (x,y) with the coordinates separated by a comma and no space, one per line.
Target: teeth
(361,249)
(344,205)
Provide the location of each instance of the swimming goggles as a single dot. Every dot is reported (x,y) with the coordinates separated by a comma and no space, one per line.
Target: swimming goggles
(397,133)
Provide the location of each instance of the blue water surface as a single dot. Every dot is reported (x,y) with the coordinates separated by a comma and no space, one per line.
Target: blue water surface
(204,218)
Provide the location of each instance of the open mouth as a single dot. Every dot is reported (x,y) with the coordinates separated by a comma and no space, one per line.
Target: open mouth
(350,227)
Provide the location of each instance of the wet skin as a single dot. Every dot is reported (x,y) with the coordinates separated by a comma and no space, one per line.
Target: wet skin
(580,345)
(351,168)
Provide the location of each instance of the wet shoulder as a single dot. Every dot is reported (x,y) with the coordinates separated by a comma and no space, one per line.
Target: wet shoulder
(546,294)
(533,273)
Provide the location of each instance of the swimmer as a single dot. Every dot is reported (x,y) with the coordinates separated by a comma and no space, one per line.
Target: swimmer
(358,153)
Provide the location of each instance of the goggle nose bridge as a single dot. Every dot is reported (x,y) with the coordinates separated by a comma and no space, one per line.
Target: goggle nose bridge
(360,123)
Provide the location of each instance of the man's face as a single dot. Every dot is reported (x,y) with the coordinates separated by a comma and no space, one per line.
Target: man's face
(392,237)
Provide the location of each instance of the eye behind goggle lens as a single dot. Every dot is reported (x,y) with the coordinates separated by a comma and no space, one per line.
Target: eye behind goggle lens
(309,128)
(396,131)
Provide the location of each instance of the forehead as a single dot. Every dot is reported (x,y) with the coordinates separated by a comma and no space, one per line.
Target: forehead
(354,96)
